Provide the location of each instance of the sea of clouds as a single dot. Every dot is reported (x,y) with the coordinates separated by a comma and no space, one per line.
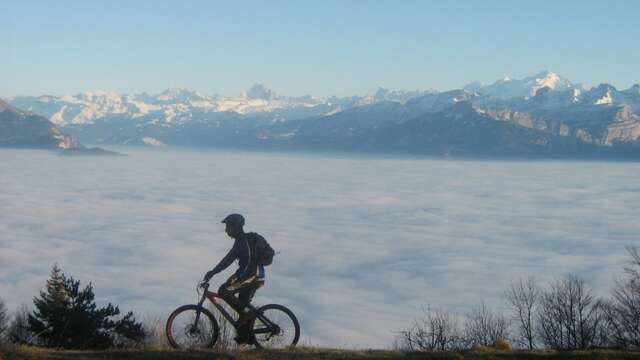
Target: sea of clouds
(363,243)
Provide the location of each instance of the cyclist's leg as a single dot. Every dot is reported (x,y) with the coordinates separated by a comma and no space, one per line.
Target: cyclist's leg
(245,290)
(227,293)
(245,321)
(246,294)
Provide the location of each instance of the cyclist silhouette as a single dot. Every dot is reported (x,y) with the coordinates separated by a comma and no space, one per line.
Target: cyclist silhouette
(247,279)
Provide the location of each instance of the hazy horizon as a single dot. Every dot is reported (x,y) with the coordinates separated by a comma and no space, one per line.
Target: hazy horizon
(258,83)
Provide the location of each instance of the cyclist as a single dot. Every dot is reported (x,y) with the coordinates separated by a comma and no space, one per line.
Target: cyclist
(247,279)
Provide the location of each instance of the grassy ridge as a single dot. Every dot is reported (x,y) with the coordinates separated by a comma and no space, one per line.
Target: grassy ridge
(308,354)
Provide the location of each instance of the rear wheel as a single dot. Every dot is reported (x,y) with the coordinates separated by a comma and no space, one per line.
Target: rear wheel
(275,328)
(183,333)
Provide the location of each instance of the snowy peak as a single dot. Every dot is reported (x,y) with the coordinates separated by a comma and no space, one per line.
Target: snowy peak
(401,96)
(508,88)
(179,95)
(259,92)
(549,79)
(603,94)
(100,96)
(606,99)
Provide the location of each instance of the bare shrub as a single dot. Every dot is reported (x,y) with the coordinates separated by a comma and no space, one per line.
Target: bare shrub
(633,270)
(483,327)
(436,330)
(227,331)
(523,296)
(569,317)
(622,312)
(4,320)
(503,345)
(154,328)
(18,331)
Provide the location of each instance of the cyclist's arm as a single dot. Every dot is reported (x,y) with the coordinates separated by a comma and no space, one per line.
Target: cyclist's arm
(231,256)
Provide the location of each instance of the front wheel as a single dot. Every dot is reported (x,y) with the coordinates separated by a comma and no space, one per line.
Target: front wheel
(183,332)
(275,328)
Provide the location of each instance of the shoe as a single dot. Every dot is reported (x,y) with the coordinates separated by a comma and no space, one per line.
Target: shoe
(240,339)
(242,336)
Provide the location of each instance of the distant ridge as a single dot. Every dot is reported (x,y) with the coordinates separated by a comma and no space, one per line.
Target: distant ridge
(543,115)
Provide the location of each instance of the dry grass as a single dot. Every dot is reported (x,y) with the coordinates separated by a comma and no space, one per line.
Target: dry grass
(31,353)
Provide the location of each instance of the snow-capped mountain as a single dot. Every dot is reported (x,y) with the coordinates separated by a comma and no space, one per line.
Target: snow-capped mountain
(181,105)
(603,95)
(508,88)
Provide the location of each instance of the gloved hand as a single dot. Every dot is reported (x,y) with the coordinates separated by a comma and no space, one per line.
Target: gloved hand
(208,276)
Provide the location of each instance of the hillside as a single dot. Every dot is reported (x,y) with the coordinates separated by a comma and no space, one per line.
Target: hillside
(21,129)
(26,130)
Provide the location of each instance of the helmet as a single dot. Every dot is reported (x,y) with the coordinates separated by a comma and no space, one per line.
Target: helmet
(234,219)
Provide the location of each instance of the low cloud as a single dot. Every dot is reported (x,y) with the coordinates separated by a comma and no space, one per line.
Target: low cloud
(362,243)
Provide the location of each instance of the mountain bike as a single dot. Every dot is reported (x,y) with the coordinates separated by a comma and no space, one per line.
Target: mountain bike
(195,327)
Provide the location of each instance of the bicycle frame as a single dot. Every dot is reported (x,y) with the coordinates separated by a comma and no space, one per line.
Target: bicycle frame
(213,297)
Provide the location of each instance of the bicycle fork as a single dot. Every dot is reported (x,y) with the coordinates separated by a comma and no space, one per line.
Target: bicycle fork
(199,310)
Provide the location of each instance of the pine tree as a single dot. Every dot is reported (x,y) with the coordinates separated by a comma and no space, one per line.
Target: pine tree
(67,316)
(49,320)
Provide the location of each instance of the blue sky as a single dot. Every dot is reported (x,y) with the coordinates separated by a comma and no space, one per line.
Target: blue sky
(300,47)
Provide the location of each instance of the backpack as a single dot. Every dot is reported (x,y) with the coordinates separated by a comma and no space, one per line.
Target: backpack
(263,252)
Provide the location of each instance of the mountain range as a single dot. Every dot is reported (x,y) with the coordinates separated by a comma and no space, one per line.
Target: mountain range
(544,115)
(177,106)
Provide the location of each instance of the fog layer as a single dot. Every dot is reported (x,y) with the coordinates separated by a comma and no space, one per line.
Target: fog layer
(362,243)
